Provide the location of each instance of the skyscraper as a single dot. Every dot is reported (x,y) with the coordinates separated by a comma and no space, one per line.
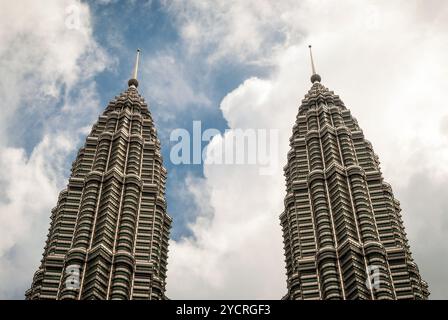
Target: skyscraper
(108,237)
(343,233)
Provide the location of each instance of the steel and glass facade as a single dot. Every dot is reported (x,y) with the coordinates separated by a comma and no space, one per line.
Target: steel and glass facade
(109,232)
(342,227)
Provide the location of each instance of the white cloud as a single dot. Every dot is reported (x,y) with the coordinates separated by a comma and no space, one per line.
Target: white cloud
(30,189)
(169,84)
(387,62)
(43,48)
(46,52)
(227,258)
(237,250)
(246,30)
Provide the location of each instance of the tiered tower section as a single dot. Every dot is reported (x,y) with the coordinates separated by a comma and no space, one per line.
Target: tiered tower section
(343,233)
(109,232)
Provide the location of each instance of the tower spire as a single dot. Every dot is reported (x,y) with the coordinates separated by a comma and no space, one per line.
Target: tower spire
(133,81)
(314,77)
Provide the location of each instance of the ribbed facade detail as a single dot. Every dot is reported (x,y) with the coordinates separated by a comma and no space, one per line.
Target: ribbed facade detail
(342,226)
(108,237)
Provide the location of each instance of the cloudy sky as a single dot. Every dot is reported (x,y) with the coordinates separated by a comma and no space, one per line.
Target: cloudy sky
(230,65)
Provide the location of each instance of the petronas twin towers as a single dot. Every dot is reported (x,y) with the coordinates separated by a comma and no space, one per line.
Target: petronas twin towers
(109,232)
(343,233)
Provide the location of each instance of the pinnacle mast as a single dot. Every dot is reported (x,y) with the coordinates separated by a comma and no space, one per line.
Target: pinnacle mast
(314,77)
(133,81)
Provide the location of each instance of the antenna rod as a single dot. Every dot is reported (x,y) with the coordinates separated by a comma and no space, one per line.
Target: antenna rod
(314,77)
(312,60)
(136,65)
(133,81)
